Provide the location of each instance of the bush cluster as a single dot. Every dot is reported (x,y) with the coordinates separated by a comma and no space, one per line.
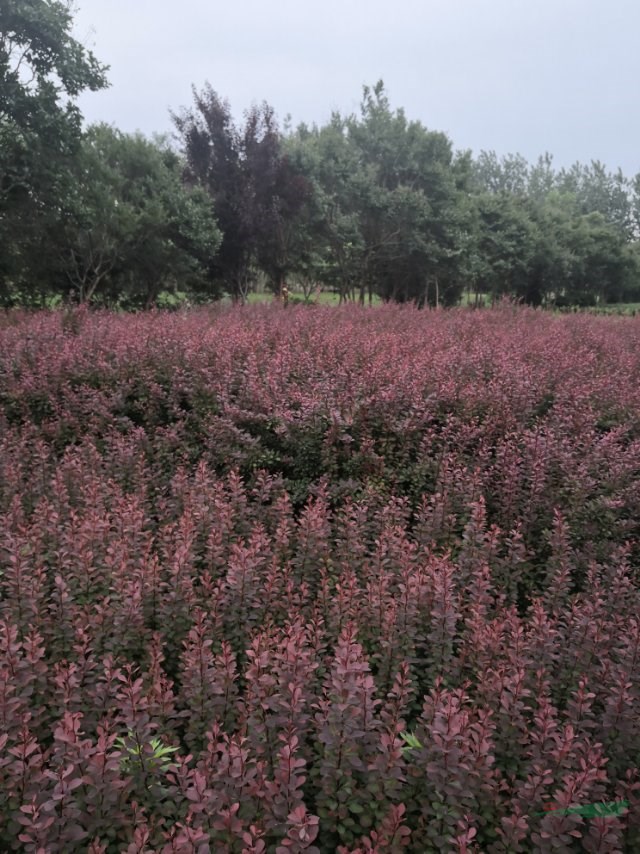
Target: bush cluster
(334,580)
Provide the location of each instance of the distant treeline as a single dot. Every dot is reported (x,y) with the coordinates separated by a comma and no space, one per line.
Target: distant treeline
(372,204)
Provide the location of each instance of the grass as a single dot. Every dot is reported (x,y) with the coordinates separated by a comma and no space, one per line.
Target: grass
(324,298)
(179,299)
(616,308)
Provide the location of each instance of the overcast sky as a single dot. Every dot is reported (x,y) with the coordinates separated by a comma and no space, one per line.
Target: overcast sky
(524,76)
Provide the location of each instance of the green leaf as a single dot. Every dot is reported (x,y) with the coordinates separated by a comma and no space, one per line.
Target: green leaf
(410,740)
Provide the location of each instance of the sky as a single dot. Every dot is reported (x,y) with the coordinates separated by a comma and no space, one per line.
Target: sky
(513,76)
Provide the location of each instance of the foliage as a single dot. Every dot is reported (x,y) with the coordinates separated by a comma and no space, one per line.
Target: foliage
(373,206)
(42,70)
(255,190)
(319,580)
(131,229)
(388,203)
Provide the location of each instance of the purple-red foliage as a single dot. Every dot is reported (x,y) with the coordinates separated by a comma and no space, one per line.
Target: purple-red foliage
(242,552)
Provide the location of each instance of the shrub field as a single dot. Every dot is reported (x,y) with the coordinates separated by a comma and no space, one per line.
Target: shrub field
(319,580)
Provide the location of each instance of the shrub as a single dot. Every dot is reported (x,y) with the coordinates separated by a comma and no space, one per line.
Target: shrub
(310,581)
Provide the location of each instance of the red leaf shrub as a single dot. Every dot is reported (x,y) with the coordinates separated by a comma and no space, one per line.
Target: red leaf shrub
(242,552)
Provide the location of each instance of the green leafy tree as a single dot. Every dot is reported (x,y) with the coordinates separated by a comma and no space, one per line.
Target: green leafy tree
(552,260)
(597,190)
(492,174)
(42,70)
(541,235)
(390,201)
(542,179)
(330,164)
(131,227)
(634,202)
(602,261)
(504,245)
(411,217)
(306,245)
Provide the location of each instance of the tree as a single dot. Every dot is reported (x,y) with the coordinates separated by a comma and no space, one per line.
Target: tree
(552,259)
(542,179)
(563,236)
(509,174)
(256,193)
(598,191)
(411,204)
(131,228)
(504,245)
(42,69)
(602,265)
(390,203)
(288,213)
(331,165)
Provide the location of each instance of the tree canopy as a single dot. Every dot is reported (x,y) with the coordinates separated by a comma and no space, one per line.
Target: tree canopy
(42,70)
(366,204)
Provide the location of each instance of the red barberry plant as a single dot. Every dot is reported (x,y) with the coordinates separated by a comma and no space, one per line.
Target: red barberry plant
(321,580)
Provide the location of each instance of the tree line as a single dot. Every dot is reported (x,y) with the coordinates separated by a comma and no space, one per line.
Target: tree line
(370,204)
